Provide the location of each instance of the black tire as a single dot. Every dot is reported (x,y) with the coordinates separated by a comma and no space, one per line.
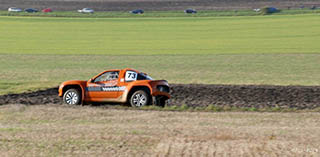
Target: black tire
(140,98)
(72,97)
(160,101)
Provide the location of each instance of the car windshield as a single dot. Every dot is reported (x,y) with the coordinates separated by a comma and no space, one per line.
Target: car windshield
(143,76)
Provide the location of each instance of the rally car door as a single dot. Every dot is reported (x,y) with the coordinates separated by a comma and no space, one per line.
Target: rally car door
(104,86)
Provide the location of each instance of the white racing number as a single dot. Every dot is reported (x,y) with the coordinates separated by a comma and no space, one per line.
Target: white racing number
(131,76)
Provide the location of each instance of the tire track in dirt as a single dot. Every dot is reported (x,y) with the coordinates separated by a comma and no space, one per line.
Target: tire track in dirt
(258,96)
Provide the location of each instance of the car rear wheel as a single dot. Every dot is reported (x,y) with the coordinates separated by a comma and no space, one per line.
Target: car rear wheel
(72,97)
(139,98)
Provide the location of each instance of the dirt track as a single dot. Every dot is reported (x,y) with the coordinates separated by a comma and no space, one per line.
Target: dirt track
(126,5)
(60,130)
(301,97)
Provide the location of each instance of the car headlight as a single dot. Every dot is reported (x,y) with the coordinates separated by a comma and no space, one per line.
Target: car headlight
(163,89)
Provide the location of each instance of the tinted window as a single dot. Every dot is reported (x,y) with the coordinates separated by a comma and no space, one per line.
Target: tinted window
(108,76)
(142,76)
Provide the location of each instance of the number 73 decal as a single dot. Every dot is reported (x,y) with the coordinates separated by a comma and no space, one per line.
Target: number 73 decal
(131,76)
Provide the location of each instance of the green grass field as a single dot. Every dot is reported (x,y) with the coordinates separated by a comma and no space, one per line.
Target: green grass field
(41,52)
(146,36)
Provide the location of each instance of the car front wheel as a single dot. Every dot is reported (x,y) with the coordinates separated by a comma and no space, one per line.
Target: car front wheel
(161,101)
(72,97)
(139,98)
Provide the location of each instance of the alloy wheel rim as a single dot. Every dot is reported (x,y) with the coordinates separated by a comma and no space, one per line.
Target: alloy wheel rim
(72,98)
(139,100)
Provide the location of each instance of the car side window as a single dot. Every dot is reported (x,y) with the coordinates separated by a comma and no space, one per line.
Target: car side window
(107,76)
(142,76)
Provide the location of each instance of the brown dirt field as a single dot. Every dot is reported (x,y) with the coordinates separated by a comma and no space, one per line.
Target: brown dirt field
(126,5)
(57,130)
(258,96)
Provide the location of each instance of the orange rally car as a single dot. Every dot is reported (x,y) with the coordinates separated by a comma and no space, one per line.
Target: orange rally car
(119,86)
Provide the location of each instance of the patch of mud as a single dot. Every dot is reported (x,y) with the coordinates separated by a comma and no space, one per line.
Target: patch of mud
(261,96)
(48,96)
(301,97)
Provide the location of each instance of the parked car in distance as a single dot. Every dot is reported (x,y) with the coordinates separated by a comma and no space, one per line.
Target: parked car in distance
(257,9)
(190,11)
(14,9)
(269,10)
(86,10)
(31,10)
(272,10)
(47,10)
(137,11)
(117,86)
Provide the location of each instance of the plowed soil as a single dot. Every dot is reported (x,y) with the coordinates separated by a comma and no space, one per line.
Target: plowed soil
(125,5)
(301,97)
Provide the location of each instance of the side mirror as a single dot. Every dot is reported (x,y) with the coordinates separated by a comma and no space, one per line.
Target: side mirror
(90,80)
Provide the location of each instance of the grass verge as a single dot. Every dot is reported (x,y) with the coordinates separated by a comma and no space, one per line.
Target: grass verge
(214,108)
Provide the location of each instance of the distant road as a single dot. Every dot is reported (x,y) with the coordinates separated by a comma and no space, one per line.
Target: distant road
(125,5)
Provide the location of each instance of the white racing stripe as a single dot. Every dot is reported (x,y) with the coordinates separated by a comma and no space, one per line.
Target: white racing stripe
(107,88)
